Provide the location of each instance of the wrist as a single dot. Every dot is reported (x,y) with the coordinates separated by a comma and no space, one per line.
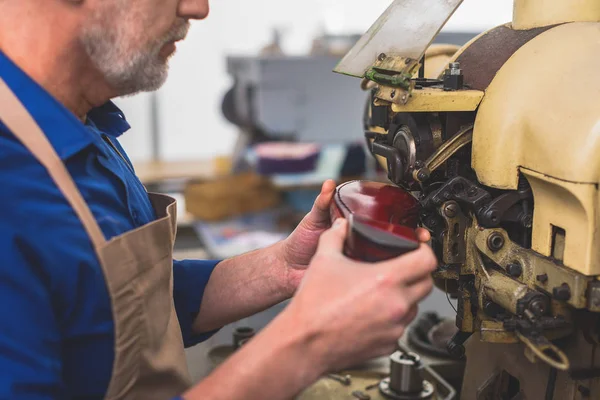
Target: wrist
(275,364)
(288,275)
(299,340)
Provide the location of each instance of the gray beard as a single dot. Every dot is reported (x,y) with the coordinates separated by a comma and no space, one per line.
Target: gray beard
(126,69)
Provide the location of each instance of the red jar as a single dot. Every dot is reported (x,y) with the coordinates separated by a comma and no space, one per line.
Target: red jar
(382,220)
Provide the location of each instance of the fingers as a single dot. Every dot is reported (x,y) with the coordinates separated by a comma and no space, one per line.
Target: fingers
(410,315)
(419,290)
(324,198)
(332,240)
(423,235)
(413,266)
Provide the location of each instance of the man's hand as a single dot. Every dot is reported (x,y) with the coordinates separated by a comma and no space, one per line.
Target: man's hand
(344,313)
(299,248)
(355,311)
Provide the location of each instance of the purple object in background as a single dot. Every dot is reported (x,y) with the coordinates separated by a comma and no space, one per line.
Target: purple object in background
(286,158)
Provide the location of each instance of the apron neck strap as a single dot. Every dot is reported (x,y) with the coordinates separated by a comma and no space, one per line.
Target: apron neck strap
(23,126)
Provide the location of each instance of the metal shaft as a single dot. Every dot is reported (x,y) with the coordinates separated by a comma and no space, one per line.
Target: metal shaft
(405,373)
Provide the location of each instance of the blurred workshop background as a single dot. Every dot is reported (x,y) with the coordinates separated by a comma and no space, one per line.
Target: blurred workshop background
(252,120)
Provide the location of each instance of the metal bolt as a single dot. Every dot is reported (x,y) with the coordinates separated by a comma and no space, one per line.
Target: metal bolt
(455,69)
(515,270)
(382,57)
(345,380)
(562,292)
(419,164)
(495,241)
(423,175)
(538,307)
(543,278)
(585,392)
(404,98)
(450,210)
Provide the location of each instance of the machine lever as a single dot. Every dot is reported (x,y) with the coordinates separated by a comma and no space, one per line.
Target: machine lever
(443,153)
(394,160)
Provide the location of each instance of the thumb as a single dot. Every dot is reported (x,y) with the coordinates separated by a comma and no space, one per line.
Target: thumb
(319,215)
(332,240)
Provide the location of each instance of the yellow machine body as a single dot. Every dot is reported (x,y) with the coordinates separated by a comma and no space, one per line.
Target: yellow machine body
(540,116)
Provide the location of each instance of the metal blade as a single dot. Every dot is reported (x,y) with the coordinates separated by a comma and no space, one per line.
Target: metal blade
(405,29)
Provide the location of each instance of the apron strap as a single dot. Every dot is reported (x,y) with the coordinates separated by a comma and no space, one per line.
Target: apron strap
(23,126)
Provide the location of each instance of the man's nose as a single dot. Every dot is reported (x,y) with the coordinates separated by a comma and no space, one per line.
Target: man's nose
(193,9)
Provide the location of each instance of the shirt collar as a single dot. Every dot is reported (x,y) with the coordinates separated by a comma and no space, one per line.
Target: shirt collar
(66,133)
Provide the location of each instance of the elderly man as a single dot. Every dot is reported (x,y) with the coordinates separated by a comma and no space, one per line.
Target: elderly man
(93,305)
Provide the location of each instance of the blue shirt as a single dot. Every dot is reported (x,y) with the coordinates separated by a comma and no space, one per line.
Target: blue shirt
(56,335)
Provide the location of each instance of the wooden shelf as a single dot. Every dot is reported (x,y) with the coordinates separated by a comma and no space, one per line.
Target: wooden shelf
(151,172)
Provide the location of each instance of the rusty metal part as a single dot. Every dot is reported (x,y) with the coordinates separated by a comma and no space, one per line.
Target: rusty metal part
(483,58)
(435,124)
(540,272)
(493,331)
(434,99)
(465,320)
(396,65)
(395,95)
(345,380)
(512,295)
(454,235)
(444,152)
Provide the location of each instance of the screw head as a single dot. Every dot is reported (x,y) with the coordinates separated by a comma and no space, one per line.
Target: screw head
(514,269)
(423,175)
(382,57)
(538,307)
(495,241)
(450,210)
(562,292)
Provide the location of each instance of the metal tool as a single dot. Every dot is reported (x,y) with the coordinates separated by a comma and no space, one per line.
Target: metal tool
(345,380)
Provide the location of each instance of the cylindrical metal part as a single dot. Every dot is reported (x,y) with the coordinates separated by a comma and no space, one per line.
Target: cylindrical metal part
(504,291)
(512,295)
(241,335)
(405,373)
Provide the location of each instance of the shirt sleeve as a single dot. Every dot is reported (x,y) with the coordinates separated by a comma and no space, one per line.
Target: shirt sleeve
(190,278)
(30,346)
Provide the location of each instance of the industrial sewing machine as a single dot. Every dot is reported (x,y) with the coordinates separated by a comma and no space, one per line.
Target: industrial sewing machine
(501,150)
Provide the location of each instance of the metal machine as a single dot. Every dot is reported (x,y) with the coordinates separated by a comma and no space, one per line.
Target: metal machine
(501,150)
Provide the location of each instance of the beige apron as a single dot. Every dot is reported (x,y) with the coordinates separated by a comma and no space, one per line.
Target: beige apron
(138,268)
